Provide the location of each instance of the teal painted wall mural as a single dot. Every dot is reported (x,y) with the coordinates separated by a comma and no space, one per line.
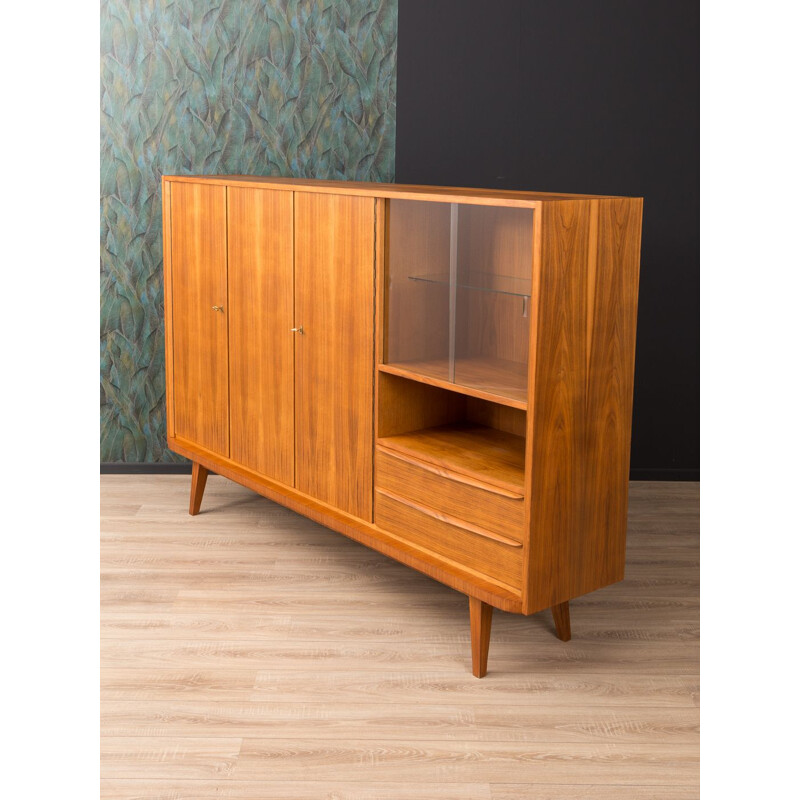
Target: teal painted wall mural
(283,87)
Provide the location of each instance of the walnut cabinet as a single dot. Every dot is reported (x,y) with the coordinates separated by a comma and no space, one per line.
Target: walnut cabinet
(444,375)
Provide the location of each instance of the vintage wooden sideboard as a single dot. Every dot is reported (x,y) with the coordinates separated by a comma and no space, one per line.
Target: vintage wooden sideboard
(444,375)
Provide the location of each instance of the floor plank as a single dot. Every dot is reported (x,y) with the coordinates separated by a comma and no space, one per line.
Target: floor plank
(522,791)
(400,686)
(467,762)
(530,657)
(345,721)
(294,790)
(174,757)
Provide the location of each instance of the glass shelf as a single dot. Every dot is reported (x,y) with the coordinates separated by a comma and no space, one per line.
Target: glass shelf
(482,282)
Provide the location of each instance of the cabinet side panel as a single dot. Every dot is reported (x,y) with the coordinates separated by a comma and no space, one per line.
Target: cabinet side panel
(200,334)
(261,315)
(166,227)
(559,402)
(583,397)
(334,357)
(609,409)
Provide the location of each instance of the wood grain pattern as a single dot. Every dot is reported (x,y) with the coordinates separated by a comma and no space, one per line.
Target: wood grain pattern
(492,415)
(272,760)
(408,405)
(166,232)
(334,359)
(363,685)
(395,462)
(190,619)
(486,378)
(304,678)
(457,522)
(480,628)
(200,334)
(460,543)
(609,398)
(488,455)
(583,387)
(489,722)
(466,761)
(261,315)
(154,789)
(521,791)
(199,789)
(199,477)
(452,493)
(189,757)
(394,648)
(491,197)
(381,287)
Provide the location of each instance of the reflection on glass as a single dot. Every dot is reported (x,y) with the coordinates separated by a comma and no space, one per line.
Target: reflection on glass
(459,293)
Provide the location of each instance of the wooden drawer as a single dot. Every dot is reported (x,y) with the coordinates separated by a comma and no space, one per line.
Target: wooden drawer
(460,496)
(499,558)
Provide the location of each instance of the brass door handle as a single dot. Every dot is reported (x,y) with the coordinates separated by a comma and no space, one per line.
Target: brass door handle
(298,330)
(217,308)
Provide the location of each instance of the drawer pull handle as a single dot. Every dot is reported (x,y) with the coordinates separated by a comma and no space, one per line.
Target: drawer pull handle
(457,477)
(456,523)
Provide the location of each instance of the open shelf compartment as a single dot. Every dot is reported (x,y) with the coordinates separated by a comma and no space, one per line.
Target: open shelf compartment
(475,437)
(477,451)
(490,379)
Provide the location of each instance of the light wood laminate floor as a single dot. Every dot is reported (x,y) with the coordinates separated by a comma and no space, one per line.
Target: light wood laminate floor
(251,653)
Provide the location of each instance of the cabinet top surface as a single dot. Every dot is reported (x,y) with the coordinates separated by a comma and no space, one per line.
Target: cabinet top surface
(389,190)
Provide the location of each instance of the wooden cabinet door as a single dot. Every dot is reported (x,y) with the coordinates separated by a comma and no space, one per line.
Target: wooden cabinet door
(334,356)
(261,305)
(200,333)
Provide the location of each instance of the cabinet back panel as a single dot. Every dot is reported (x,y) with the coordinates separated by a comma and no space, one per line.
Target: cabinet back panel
(260,299)
(492,415)
(405,405)
(334,357)
(200,334)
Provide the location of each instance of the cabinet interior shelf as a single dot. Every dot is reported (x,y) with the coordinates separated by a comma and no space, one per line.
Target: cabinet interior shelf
(494,379)
(486,454)
(482,282)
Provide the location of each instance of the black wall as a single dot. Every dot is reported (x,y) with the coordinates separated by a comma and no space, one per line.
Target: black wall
(594,96)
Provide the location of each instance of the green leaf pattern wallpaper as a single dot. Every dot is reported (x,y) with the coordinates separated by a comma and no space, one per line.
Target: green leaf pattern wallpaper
(301,88)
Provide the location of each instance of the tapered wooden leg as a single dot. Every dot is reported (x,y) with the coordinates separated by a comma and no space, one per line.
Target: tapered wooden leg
(561,619)
(199,475)
(480,627)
